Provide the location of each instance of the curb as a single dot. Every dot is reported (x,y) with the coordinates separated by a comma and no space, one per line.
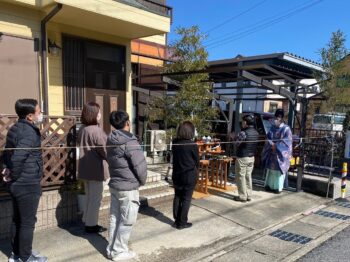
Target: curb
(211,254)
(299,253)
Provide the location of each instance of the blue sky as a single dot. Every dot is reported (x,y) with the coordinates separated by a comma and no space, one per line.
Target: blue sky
(259,27)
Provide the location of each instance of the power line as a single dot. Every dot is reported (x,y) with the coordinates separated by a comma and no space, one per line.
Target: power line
(236,16)
(260,23)
(260,26)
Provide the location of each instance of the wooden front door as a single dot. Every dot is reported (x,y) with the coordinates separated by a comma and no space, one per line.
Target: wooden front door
(109,100)
(105,78)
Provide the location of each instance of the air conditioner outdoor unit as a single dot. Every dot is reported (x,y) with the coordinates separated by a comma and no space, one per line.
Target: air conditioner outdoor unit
(156,140)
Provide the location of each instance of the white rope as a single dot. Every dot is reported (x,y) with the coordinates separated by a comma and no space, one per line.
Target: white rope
(144,145)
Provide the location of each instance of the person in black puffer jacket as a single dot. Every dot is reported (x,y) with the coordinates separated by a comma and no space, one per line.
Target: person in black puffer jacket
(185,168)
(246,142)
(23,172)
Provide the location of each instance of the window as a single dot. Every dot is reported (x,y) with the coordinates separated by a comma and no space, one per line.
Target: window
(273,107)
(105,66)
(339,120)
(73,74)
(90,64)
(322,119)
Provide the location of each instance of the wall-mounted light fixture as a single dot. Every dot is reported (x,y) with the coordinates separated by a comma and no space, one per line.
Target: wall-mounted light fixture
(54,49)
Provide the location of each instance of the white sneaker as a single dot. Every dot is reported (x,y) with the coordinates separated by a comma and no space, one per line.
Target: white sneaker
(14,258)
(124,256)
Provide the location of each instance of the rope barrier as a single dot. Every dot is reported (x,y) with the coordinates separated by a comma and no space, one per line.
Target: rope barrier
(145,145)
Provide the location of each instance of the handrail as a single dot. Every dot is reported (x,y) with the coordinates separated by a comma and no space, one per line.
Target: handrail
(167,9)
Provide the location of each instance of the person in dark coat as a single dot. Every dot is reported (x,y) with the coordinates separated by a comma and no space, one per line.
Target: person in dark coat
(246,142)
(185,168)
(22,173)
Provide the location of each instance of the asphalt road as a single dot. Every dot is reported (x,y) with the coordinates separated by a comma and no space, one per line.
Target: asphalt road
(335,249)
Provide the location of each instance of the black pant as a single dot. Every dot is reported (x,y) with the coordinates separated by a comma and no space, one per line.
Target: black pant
(25,201)
(181,205)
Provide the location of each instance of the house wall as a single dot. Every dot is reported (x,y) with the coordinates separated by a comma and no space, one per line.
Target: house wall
(22,22)
(19,21)
(56,90)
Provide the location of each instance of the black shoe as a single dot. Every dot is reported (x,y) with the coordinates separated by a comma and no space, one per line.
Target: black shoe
(174,225)
(268,189)
(187,225)
(237,198)
(249,199)
(95,229)
(277,192)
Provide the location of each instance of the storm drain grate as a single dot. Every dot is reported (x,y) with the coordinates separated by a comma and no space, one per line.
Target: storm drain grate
(291,237)
(332,215)
(343,204)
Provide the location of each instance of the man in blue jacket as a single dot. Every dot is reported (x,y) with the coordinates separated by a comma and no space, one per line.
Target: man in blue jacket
(22,173)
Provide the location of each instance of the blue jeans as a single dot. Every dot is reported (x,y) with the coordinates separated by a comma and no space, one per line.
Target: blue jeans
(123,214)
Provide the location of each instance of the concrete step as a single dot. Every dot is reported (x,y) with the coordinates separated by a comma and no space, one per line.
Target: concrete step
(146,200)
(150,194)
(154,187)
(319,185)
(158,198)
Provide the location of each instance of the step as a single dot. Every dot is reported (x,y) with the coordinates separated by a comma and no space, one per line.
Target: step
(146,189)
(146,200)
(150,191)
(151,178)
(154,187)
(319,185)
(157,199)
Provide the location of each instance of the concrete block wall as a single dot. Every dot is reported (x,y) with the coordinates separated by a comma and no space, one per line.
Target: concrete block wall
(55,208)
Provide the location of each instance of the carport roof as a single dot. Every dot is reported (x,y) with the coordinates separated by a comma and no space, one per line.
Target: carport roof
(288,64)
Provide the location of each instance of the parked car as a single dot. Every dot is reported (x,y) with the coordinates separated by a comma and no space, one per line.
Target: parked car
(332,121)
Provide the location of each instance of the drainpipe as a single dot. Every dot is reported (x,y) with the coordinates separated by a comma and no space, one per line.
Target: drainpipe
(54,11)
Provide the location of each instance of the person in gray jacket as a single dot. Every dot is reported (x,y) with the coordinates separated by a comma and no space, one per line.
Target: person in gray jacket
(128,171)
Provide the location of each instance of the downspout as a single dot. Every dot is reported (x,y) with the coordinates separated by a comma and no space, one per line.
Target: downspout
(54,11)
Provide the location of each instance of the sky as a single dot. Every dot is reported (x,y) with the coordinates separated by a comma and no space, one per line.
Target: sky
(256,27)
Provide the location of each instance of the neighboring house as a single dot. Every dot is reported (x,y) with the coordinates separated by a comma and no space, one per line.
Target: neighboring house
(148,57)
(90,48)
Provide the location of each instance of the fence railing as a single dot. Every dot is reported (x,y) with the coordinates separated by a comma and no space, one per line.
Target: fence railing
(322,151)
(58,132)
(156,6)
